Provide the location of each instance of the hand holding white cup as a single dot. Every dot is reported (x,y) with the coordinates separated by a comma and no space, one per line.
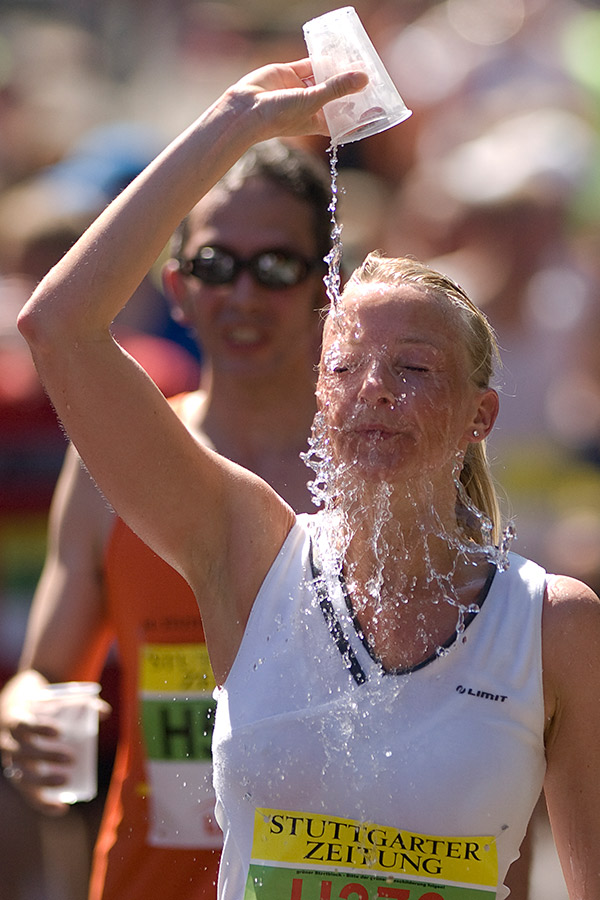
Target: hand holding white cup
(73,709)
(337,42)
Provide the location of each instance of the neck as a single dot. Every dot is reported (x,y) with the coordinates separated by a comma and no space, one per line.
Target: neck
(263,424)
(402,537)
(247,414)
(410,573)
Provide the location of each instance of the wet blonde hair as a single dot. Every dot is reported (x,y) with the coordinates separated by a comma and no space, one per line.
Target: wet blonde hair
(482,348)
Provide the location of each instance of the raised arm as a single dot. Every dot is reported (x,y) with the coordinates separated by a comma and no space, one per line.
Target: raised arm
(217,524)
(571,637)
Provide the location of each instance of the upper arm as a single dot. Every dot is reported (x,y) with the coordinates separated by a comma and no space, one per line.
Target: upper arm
(216,523)
(67,631)
(571,638)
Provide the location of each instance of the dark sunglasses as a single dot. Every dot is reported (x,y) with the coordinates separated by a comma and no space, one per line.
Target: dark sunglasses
(273,269)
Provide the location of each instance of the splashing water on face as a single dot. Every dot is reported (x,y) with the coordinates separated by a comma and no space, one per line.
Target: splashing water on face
(335,524)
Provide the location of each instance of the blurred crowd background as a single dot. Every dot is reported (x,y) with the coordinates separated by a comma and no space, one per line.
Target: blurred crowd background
(495,179)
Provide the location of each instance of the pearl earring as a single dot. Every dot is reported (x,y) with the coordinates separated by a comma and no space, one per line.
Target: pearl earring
(475,433)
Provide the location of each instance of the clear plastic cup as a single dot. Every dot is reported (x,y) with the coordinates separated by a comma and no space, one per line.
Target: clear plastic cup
(70,707)
(337,42)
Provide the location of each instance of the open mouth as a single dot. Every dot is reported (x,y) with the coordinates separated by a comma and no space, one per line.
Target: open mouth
(244,336)
(375,429)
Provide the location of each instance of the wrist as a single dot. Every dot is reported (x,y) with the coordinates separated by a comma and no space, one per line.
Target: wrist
(244,123)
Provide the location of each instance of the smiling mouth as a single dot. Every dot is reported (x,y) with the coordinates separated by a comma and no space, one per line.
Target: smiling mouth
(244,335)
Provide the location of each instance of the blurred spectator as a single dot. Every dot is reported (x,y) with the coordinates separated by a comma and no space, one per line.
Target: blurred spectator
(53,88)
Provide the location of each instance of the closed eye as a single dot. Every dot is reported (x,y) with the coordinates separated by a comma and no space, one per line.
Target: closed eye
(406,368)
(337,365)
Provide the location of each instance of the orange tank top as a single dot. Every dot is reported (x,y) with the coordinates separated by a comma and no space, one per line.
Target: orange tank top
(158,837)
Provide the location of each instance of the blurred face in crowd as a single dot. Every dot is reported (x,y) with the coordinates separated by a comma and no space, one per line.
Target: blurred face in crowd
(245,326)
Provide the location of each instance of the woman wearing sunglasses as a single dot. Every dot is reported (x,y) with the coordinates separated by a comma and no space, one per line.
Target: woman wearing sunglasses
(392,695)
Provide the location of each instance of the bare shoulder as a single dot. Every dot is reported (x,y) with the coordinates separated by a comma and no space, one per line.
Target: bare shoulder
(570,640)
(568,599)
(571,614)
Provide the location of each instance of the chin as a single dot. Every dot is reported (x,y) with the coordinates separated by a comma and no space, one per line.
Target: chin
(371,465)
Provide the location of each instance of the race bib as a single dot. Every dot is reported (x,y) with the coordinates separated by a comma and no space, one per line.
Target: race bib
(303,856)
(177,714)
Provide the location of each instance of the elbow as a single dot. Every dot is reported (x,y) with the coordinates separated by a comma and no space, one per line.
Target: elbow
(33,320)
(42,323)
(58,316)
(27,324)
(41,339)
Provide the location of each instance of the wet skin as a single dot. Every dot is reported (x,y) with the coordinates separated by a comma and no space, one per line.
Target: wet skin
(395,385)
(400,407)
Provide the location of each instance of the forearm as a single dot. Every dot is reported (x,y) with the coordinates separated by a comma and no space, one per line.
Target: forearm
(84,292)
(67,642)
(81,296)
(109,407)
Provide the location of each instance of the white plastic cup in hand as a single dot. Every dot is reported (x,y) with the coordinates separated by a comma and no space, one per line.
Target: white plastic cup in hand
(337,42)
(71,708)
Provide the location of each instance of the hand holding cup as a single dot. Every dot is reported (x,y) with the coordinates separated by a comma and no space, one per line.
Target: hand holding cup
(50,753)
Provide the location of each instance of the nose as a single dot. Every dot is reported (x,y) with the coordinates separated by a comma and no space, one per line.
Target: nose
(377,386)
(242,291)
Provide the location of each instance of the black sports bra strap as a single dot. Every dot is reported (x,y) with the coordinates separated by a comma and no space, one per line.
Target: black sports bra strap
(335,629)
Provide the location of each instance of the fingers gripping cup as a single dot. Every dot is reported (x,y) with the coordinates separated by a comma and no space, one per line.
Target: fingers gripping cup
(72,708)
(337,42)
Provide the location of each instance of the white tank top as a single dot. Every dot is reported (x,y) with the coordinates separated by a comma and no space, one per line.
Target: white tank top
(337,780)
